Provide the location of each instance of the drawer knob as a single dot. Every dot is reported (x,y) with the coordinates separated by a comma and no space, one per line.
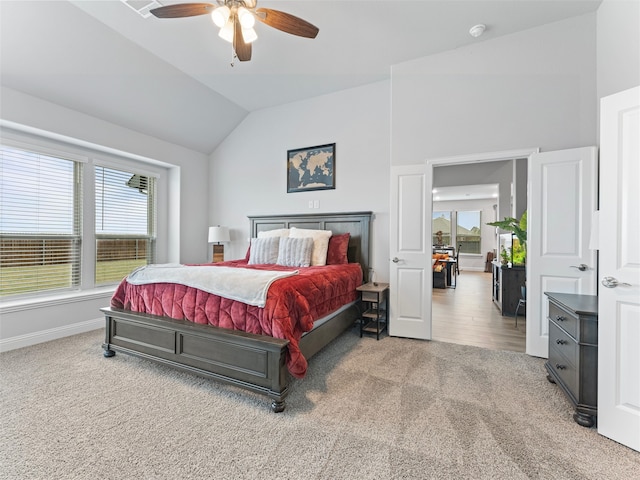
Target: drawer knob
(560,341)
(560,367)
(559,318)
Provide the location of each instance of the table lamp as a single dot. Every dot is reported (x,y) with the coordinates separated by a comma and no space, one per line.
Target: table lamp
(217,235)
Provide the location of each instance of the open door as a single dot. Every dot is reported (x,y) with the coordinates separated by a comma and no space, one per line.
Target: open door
(619,267)
(410,249)
(560,204)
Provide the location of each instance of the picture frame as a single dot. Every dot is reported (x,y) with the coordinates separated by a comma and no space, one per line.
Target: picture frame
(311,168)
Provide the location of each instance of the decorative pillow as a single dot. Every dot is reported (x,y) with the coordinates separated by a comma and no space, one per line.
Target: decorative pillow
(280,232)
(337,251)
(295,252)
(264,250)
(320,243)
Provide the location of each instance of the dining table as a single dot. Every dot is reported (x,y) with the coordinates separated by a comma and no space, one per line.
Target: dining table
(450,263)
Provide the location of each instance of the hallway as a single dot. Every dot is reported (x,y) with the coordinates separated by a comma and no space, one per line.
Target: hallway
(466,315)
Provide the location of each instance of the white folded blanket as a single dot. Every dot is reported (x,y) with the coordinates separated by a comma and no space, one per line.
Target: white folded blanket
(242,284)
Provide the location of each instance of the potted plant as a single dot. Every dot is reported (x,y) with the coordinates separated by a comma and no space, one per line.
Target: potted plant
(505,255)
(519,229)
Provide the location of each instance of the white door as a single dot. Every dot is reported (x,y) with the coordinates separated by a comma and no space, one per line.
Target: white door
(410,251)
(560,204)
(619,305)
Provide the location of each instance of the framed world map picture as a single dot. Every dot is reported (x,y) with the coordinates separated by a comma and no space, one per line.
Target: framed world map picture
(311,168)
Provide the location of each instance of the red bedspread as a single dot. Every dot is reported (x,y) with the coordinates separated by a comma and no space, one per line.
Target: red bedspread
(293,303)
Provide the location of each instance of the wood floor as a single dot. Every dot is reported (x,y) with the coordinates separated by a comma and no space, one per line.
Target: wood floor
(466,315)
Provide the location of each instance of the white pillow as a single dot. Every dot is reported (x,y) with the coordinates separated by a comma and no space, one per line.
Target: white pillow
(264,250)
(295,252)
(320,243)
(280,232)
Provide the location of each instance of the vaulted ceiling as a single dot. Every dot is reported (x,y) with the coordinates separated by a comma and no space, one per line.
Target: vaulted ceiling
(173,79)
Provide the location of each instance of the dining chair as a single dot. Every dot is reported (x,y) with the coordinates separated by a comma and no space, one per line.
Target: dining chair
(522,302)
(457,257)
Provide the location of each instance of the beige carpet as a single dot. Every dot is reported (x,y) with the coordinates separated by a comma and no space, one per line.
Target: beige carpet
(393,409)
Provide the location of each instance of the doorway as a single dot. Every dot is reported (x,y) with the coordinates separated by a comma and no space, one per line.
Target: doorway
(467,315)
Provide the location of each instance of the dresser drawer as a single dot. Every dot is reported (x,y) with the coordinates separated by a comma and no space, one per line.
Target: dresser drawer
(564,319)
(567,372)
(371,297)
(563,344)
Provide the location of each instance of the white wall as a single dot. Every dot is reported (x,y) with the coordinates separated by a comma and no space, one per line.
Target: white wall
(248,170)
(488,239)
(67,314)
(618,46)
(534,88)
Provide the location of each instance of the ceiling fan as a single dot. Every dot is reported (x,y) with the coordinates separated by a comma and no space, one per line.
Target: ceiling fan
(236,19)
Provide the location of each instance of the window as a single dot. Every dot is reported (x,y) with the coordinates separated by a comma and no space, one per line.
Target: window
(40,221)
(441,228)
(468,231)
(125,223)
(46,189)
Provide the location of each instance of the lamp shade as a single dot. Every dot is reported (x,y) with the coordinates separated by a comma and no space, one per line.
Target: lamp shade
(219,234)
(220,15)
(226,32)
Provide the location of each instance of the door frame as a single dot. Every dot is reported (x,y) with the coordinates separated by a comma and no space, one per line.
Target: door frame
(461,160)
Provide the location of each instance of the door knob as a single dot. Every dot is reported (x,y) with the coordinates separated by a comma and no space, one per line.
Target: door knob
(582,267)
(395,260)
(612,282)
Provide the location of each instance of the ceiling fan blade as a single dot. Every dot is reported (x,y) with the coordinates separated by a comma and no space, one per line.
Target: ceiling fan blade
(287,23)
(183,10)
(242,49)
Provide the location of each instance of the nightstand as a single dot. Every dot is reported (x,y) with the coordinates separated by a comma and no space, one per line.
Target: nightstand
(375,318)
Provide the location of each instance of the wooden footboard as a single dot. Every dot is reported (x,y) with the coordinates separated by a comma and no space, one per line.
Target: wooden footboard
(253,362)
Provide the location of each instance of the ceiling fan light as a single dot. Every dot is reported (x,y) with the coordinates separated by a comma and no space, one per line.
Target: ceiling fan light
(249,35)
(226,32)
(220,16)
(247,20)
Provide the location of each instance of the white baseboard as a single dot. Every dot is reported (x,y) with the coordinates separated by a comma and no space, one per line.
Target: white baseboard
(34,338)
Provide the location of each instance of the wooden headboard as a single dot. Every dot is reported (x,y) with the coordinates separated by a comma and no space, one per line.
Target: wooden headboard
(357,224)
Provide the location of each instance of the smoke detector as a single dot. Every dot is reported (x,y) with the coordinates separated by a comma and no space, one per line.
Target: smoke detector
(477,30)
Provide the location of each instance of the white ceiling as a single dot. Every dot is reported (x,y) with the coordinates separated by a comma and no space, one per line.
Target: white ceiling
(172,78)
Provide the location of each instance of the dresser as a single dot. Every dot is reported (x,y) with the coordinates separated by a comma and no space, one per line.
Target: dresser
(573,351)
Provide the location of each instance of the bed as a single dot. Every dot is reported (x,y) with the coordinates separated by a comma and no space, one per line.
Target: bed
(248,360)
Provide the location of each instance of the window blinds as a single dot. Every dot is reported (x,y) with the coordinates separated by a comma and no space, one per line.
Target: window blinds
(125,222)
(40,222)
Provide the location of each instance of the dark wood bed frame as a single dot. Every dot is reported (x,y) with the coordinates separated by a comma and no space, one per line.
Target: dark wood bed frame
(253,362)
